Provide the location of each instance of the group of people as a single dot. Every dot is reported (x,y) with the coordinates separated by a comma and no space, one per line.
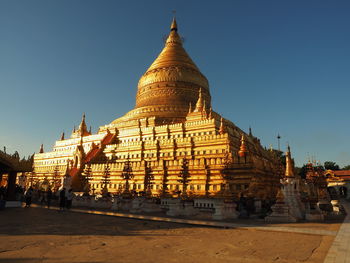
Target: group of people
(45,197)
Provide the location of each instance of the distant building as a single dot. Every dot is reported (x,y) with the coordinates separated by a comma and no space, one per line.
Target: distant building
(338,181)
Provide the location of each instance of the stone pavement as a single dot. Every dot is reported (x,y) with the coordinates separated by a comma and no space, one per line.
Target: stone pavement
(219,224)
(339,252)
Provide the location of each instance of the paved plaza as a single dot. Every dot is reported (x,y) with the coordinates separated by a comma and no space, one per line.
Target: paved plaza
(41,235)
(340,249)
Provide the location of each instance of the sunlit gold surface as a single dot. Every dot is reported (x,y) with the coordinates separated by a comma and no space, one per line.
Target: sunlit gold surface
(162,130)
(289,164)
(170,84)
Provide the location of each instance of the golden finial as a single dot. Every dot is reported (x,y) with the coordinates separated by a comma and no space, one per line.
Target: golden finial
(243,148)
(190,108)
(173,26)
(210,110)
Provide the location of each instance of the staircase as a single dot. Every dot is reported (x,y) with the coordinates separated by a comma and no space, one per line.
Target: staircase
(95,151)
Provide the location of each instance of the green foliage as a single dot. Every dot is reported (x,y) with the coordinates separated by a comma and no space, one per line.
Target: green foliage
(184,176)
(280,155)
(346,167)
(301,171)
(328,165)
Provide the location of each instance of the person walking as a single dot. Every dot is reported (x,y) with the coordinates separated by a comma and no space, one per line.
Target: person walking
(69,199)
(62,199)
(48,197)
(42,197)
(28,196)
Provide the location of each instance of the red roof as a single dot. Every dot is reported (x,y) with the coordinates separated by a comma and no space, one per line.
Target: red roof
(73,171)
(342,173)
(108,138)
(95,151)
(91,154)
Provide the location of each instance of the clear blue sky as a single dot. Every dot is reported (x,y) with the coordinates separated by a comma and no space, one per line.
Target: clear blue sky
(278,66)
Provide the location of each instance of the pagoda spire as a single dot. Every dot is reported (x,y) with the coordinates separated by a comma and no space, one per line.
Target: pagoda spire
(289,164)
(243,148)
(62,136)
(82,125)
(199,104)
(82,129)
(173,26)
(41,150)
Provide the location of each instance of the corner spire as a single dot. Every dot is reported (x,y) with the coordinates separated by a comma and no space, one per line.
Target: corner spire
(210,113)
(243,148)
(199,104)
(204,109)
(62,136)
(222,128)
(190,108)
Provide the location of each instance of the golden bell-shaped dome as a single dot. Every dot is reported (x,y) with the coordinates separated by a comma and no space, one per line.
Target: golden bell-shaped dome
(173,79)
(169,85)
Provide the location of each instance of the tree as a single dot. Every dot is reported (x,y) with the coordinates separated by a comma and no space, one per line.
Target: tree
(207,178)
(148,180)
(105,178)
(280,155)
(184,176)
(87,176)
(165,180)
(127,174)
(331,165)
(346,167)
(56,178)
(302,171)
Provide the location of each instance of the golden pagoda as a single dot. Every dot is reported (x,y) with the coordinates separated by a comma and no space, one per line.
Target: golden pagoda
(172,123)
